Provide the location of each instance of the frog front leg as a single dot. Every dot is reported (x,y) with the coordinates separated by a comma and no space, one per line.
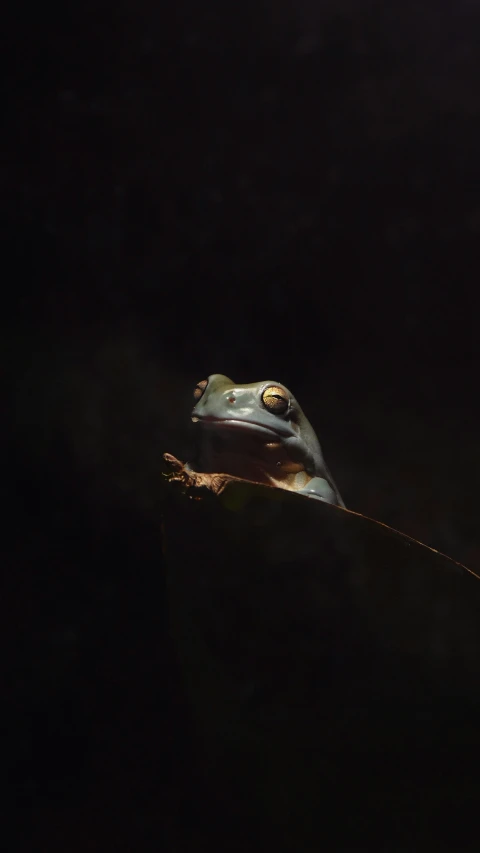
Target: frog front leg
(321,490)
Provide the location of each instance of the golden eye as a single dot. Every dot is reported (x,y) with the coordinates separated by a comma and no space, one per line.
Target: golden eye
(275,400)
(199,389)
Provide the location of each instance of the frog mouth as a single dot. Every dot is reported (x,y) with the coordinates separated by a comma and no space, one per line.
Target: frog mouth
(237,424)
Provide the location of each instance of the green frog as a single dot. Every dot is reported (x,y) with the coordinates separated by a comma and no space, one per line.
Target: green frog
(258,432)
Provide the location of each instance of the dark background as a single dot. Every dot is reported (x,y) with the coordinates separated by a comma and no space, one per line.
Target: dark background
(284,191)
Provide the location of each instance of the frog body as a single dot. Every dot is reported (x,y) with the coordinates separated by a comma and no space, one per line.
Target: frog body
(259,432)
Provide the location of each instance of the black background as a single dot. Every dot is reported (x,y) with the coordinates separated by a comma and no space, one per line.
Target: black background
(267,190)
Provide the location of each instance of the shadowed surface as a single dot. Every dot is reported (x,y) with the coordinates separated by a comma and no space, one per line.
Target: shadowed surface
(327,658)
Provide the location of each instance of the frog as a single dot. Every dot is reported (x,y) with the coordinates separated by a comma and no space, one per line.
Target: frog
(258,432)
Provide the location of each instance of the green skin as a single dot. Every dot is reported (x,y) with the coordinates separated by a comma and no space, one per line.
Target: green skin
(243,437)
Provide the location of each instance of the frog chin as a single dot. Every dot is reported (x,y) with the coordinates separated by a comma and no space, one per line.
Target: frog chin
(247,426)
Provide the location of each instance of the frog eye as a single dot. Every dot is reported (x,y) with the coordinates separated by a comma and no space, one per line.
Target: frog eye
(199,389)
(275,400)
